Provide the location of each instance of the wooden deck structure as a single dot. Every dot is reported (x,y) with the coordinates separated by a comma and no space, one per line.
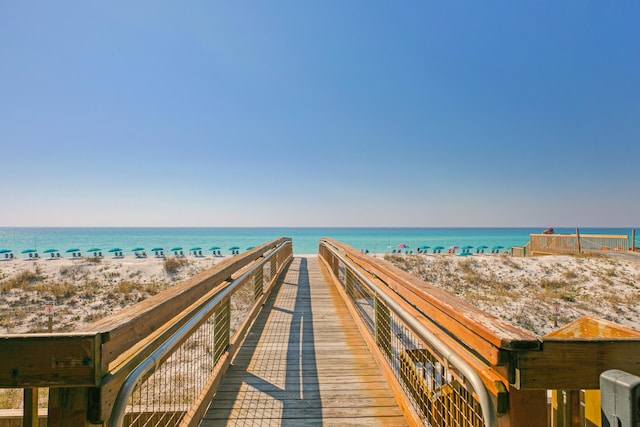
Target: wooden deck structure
(304,363)
(339,339)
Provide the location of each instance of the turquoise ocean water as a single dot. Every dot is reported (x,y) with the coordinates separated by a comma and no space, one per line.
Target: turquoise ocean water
(305,240)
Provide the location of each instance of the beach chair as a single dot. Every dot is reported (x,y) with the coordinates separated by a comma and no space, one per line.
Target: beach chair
(10,256)
(36,255)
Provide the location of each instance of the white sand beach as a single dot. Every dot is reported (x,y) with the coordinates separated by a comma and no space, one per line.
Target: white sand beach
(520,291)
(83,290)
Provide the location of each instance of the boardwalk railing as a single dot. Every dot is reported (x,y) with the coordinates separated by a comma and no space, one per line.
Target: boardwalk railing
(517,370)
(442,388)
(155,363)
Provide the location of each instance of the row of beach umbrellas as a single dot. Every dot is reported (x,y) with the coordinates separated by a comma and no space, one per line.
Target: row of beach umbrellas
(465,250)
(178,250)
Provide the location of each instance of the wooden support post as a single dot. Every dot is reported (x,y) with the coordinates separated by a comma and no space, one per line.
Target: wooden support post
(573,402)
(578,238)
(68,407)
(633,239)
(526,408)
(30,411)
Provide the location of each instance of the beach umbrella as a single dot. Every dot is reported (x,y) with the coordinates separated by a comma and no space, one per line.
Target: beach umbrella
(234,248)
(138,249)
(177,248)
(425,247)
(466,247)
(438,248)
(483,247)
(402,246)
(114,250)
(48,251)
(156,249)
(497,247)
(249,248)
(196,248)
(94,250)
(29,251)
(214,248)
(5,251)
(72,250)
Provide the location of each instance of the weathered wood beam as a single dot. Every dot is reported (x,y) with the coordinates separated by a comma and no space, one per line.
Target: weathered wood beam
(43,360)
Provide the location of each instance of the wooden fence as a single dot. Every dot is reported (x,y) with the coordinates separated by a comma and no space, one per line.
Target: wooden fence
(543,244)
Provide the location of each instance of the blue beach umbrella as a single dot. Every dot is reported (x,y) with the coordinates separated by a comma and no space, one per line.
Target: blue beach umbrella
(138,249)
(467,247)
(51,250)
(196,248)
(425,247)
(5,251)
(114,250)
(68,251)
(214,248)
(29,251)
(156,249)
(483,247)
(438,248)
(94,250)
(249,248)
(234,248)
(177,248)
(497,247)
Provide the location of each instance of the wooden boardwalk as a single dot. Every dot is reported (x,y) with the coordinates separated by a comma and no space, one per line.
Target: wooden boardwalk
(304,363)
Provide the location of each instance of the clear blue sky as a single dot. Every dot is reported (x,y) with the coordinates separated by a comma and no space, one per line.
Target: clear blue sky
(332,113)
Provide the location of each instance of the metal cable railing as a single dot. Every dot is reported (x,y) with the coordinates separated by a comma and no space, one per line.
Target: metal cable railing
(163,387)
(442,388)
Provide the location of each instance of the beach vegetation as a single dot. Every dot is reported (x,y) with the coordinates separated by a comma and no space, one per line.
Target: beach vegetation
(173,264)
(508,261)
(551,284)
(22,280)
(569,275)
(94,260)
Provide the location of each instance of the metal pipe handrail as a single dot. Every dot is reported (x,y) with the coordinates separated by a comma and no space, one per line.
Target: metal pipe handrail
(150,364)
(484,398)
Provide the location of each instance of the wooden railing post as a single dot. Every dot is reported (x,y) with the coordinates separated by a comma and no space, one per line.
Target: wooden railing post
(30,411)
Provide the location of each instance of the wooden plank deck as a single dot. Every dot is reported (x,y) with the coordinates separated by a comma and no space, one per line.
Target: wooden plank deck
(304,363)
